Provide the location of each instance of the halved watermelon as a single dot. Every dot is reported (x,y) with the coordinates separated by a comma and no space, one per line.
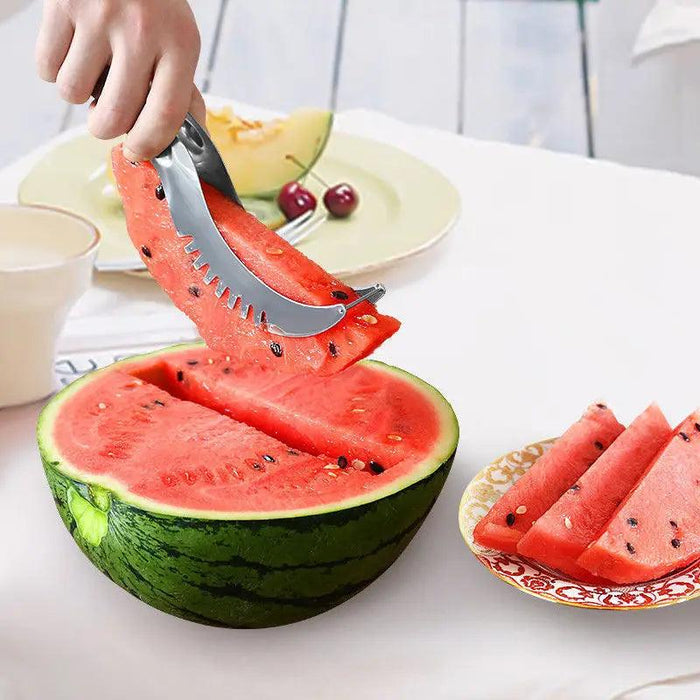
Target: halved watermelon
(560,536)
(654,531)
(220,522)
(554,472)
(276,262)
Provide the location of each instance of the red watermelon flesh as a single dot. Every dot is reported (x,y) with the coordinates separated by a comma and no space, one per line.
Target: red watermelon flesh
(276,262)
(120,419)
(349,416)
(560,536)
(554,472)
(654,531)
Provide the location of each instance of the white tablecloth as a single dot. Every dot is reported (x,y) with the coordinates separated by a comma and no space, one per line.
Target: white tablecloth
(566,281)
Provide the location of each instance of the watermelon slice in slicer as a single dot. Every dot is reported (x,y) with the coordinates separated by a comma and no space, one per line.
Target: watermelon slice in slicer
(655,530)
(561,535)
(281,266)
(554,472)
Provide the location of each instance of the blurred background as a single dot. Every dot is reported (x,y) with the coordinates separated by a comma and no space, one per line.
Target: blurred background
(609,78)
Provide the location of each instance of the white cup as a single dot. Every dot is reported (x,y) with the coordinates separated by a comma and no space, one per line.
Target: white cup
(46,261)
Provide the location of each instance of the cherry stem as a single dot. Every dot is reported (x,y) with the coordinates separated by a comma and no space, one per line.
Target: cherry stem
(296,161)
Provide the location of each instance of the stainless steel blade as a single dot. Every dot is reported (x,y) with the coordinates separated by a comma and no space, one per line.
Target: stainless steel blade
(192,220)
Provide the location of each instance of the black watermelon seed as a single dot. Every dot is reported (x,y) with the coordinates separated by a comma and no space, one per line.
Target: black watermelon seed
(575,487)
(159,402)
(376,468)
(193,290)
(268,458)
(146,251)
(684,436)
(675,543)
(697,426)
(510,519)
(192,363)
(257,466)
(338,294)
(601,405)
(160,192)
(674,524)
(342,462)
(293,452)
(180,375)
(633,522)
(276,349)
(332,349)
(598,444)
(630,548)
(226,370)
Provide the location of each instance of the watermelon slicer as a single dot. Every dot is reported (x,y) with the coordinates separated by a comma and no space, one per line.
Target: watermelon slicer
(193,156)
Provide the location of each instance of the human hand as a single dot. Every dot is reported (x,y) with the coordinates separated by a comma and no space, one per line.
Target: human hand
(151,48)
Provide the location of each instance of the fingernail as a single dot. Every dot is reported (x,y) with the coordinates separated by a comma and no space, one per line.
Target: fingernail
(130,155)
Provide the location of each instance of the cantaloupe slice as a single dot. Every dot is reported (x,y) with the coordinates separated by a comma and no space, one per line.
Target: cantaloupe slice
(256,153)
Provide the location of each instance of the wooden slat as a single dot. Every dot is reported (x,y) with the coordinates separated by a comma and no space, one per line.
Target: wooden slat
(31,111)
(276,53)
(592,27)
(402,57)
(523,79)
(206,12)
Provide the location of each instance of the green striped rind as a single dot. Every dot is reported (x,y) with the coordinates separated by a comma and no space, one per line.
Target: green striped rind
(248,573)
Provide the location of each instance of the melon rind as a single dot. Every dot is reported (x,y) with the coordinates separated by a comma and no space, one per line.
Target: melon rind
(247,569)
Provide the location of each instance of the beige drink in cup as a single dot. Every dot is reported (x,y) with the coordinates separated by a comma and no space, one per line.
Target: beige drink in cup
(46,260)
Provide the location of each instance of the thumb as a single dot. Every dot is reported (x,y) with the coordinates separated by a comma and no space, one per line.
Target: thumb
(197,107)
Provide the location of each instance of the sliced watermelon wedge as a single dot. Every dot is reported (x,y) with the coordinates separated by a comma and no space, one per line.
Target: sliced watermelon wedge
(561,535)
(654,531)
(276,262)
(538,489)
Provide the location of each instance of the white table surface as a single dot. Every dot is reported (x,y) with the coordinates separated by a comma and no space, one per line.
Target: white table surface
(566,281)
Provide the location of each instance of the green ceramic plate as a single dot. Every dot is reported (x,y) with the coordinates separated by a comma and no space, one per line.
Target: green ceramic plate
(405,205)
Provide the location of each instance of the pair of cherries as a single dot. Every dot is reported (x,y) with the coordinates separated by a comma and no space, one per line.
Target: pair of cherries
(294,199)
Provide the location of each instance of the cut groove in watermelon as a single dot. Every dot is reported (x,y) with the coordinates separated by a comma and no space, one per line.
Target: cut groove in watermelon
(287,271)
(109,425)
(540,487)
(654,531)
(561,535)
(349,416)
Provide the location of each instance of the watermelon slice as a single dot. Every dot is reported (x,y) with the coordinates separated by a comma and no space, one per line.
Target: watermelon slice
(560,536)
(654,531)
(276,262)
(218,520)
(535,492)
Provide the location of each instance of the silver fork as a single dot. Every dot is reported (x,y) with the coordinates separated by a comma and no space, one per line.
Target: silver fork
(296,230)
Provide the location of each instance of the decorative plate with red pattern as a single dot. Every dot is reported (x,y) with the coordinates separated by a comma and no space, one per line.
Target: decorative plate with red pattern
(493,481)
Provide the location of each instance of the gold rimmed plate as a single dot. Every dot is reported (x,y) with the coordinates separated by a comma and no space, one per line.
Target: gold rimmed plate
(539,581)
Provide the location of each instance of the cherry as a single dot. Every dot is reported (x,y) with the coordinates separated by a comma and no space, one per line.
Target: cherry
(341,200)
(295,200)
